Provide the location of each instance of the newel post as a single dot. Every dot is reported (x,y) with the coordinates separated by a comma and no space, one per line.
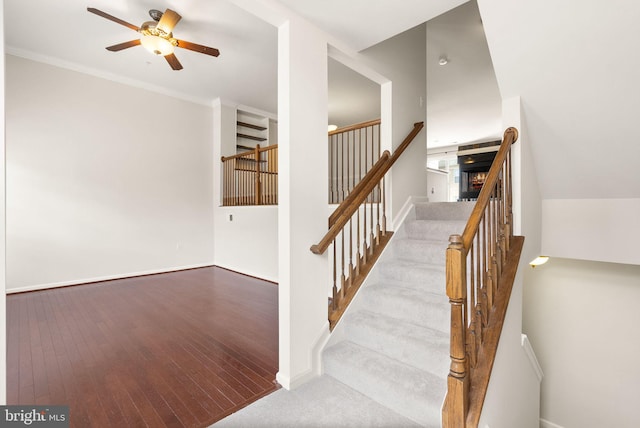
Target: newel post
(454,412)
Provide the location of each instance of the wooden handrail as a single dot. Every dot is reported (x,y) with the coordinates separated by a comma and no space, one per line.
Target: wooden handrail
(249,152)
(358,227)
(355,126)
(350,205)
(510,136)
(480,270)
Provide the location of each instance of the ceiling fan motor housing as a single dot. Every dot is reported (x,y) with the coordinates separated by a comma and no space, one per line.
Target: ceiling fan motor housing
(155,14)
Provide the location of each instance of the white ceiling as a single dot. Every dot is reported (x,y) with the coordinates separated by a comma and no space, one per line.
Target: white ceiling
(575,66)
(64,33)
(463,100)
(364,23)
(460,95)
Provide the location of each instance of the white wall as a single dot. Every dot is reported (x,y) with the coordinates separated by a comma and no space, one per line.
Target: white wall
(402,59)
(438,183)
(582,319)
(247,241)
(527,201)
(605,230)
(3,313)
(578,107)
(513,396)
(103,180)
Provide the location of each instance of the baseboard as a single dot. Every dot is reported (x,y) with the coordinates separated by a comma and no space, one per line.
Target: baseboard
(320,343)
(290,383)
(406,209)
(526,345)
(546,424)
(103,278)
(251,274)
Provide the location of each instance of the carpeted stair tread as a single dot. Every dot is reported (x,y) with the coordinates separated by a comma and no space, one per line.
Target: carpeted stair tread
(420,250)
(412,392)
(408,304)
(437,287)
(323,402)
(421,347)
(411,271)
(438,230)
(444,210)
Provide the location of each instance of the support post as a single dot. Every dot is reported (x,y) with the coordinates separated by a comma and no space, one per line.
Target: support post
(257,194)
(456,404)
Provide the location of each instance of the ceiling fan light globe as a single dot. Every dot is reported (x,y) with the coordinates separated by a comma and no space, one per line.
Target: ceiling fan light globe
(157,45)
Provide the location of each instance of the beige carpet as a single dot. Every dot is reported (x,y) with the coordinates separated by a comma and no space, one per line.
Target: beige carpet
(323,402)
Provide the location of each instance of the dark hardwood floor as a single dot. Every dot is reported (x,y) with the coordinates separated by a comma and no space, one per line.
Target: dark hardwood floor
(181,349)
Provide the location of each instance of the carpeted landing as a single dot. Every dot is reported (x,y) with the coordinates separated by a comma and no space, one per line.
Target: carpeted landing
(387,361)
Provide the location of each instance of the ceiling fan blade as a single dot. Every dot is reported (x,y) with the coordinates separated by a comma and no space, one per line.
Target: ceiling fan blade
(112,18)
(168,21)
(125,45)
(198,48)
(173,62)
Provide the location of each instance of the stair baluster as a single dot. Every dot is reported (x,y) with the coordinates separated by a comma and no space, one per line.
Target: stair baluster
(480,272)
(367,196)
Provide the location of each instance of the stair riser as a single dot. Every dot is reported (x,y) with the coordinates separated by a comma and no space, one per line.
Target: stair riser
(431,280)
(411,405)
(420,251)
(419,312)
(437,231)
(444,211)
(428,355)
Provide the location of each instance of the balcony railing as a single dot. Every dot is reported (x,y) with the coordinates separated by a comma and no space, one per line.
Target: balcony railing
(251,178)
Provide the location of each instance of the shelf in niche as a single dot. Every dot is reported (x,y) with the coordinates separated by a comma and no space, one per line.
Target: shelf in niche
(251,137)
(252,126)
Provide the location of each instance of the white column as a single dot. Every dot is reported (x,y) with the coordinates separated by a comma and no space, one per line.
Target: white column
(303,193)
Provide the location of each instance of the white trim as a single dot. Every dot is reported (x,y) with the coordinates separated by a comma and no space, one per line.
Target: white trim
(316,362)
(104,75)
(479,150)
(256,111)
(406,209)
(439,171)
(104,278)
(546,424)
(526,345)
(219,102)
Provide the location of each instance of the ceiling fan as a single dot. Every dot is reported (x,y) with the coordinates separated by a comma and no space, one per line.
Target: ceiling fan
(157,36)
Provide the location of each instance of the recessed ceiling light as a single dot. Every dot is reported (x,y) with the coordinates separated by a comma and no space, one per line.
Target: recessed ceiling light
(443,60)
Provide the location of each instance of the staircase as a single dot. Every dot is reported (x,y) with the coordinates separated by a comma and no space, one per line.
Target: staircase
(393,343)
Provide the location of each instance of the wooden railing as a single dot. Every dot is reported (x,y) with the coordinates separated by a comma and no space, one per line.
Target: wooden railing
(358,231)
(353,150)
(251,178)
(480,270)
